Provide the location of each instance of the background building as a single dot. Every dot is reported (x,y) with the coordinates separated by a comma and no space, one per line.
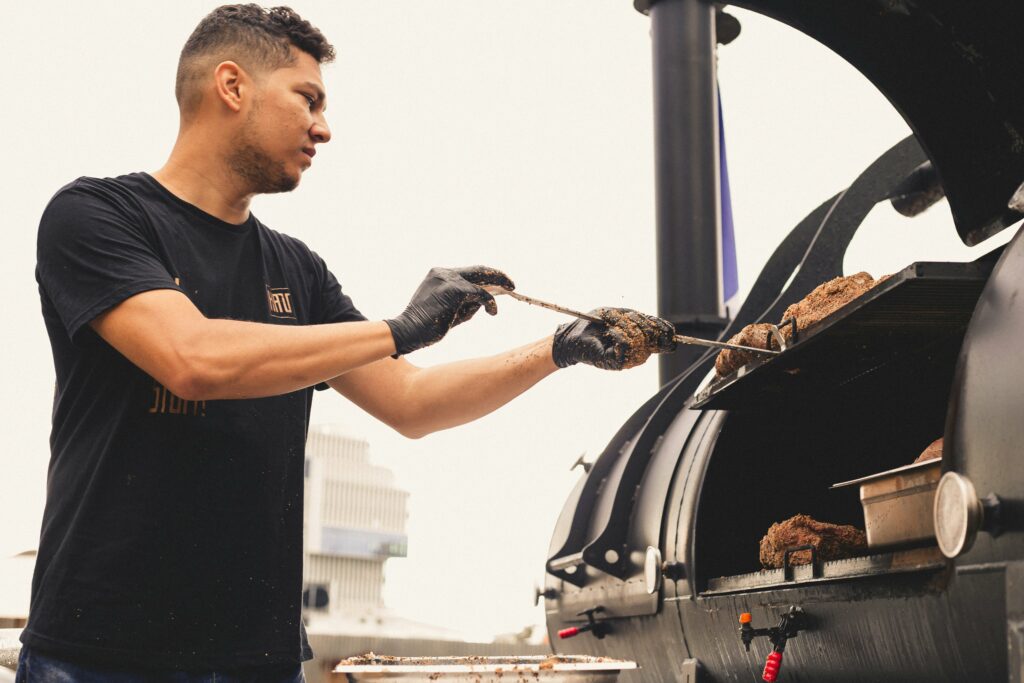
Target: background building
(354,520)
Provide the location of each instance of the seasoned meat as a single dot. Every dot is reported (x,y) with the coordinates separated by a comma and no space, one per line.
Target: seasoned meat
(933,451)
(755,335)
(831,541)
(826,299)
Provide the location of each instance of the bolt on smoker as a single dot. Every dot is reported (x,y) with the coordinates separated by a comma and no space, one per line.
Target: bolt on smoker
(654,557)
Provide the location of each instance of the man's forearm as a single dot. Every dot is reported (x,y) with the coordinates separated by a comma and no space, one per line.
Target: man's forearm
(198,358)
(235,359)
(453,394)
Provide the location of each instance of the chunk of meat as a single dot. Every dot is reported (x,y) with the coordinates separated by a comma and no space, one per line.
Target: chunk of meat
(756,335)
(830,541)
(826,299)
(933,451)
(823,301)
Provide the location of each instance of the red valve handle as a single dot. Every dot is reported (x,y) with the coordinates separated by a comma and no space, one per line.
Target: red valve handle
(568,632)
(771,667)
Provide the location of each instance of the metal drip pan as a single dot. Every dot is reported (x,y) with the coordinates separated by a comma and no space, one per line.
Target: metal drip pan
(483,669)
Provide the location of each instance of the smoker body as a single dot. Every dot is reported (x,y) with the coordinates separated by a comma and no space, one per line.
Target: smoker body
(657,547)
(696,488)
(719,478)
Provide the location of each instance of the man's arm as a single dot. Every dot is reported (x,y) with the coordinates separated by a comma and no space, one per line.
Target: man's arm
(198,358)
(418,401)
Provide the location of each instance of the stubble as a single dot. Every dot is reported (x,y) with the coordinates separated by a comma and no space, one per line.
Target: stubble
(252,164)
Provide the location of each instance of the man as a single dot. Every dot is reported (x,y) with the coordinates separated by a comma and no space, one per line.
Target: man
(187,339)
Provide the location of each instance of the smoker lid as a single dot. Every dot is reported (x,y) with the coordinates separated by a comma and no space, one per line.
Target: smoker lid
(952,69)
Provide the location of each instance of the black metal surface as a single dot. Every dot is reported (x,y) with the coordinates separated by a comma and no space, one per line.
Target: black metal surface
(680,535)
(921,190)
(952,69)
(928,626)
(985,432)
(727,27)
(572,530)
(917,626)
(682,441)
(915,311)
(643,482)
(686,173)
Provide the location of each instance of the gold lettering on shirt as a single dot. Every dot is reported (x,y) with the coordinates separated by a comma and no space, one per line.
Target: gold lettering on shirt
(279,302)
(165,402)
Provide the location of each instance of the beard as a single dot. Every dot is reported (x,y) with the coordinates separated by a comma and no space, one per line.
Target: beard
(255,166)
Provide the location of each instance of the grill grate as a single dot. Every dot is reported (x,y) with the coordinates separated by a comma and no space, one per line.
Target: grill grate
(916,559)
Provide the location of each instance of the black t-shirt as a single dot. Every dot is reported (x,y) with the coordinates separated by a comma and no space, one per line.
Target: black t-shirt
(172,533)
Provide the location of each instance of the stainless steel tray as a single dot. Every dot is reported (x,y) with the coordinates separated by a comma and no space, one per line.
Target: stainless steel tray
(483,669)
(898,503)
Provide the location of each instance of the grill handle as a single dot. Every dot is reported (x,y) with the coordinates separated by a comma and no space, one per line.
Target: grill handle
(787,568)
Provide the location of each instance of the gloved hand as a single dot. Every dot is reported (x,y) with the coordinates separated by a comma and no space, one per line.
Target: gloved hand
(626,339)
(445,298)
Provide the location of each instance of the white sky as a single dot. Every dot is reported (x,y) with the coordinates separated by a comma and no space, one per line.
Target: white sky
(514,134)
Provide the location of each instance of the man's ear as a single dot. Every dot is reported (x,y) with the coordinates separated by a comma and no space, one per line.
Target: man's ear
(228,82)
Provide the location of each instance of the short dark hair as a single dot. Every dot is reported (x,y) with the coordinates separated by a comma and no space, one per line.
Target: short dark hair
(255,37)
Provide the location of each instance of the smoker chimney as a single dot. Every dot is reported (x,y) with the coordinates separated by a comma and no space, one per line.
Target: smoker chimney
(686,173)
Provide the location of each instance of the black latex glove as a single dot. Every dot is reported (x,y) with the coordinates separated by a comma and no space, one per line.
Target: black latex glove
(624,340)
(445,298)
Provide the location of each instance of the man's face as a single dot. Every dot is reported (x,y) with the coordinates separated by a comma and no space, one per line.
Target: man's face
(284,123)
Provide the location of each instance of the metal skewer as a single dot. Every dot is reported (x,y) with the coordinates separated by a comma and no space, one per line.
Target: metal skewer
(544,304)
(679,338)
(683,339)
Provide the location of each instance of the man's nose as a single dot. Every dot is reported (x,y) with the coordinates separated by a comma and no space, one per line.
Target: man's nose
(320,132)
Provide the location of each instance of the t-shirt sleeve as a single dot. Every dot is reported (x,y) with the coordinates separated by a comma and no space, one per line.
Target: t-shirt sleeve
(335,306)
(92,254)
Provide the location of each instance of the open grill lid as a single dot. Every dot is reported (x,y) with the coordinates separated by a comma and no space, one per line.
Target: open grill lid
(952,69)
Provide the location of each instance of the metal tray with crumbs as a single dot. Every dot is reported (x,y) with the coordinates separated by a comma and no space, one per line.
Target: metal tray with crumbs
(554,668)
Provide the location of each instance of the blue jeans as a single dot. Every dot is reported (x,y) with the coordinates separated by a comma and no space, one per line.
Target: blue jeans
(35,667)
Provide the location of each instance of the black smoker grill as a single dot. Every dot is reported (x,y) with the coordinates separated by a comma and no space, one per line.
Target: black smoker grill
(654,557)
